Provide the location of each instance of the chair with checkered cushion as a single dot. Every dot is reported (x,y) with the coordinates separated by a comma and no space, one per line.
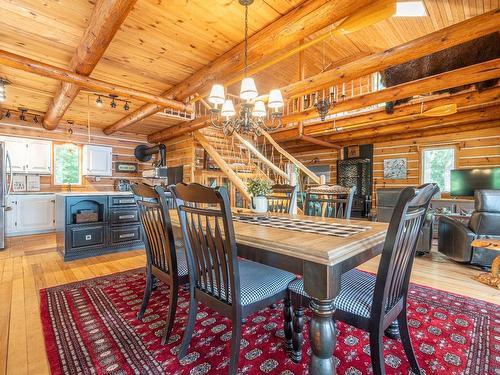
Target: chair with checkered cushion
(163,261)
(368,302)
(283,199)
(232,287)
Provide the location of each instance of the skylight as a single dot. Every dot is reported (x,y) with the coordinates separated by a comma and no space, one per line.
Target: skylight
(410,9)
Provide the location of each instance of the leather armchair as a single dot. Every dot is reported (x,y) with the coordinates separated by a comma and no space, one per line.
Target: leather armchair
(455,237)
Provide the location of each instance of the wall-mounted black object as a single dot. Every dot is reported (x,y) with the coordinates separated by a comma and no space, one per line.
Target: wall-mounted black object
(144,153)
(358,172)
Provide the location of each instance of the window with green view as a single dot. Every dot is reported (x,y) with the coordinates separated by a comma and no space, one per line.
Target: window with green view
(67,164)
(437,164)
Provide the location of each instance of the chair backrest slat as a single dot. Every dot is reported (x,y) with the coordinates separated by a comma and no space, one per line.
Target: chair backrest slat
(207,226)
(156,226)
(282,199)
(399,248)
(336,203)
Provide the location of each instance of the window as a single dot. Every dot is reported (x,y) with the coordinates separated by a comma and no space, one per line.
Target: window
(67,164)
(436,166)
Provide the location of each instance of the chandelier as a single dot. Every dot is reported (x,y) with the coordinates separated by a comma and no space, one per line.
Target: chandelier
(252,109)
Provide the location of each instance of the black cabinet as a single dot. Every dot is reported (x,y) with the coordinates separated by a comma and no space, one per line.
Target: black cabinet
(115,224)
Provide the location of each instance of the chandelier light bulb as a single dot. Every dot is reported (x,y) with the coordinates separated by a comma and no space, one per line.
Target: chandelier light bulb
(217,94)
(259,109)
(275,99)
(228,109)
(248,89)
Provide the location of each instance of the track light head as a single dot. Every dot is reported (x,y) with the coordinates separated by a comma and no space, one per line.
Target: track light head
(126,107)
(99,101)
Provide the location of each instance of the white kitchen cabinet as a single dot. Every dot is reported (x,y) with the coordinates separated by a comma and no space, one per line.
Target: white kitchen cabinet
(29,155)
(39,157)
(17,148)
(30,214)
(97,160)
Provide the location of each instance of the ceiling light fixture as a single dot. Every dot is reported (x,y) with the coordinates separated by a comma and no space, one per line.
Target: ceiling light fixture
(8,114)
(410,9)
(252,112)
(99,101)
(113,103)
(22,114)
(35,119)
(126,107)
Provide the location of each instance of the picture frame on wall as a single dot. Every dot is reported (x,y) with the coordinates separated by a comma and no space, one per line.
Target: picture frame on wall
(395,169)
(122,167)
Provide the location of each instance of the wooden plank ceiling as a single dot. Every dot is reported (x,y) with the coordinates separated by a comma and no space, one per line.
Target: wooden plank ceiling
(162,42)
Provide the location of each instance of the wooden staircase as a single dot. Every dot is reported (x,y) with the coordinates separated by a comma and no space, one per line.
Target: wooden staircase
(233,157)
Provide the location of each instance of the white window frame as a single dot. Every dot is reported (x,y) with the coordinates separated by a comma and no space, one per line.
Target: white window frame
(77,147)
(430,148)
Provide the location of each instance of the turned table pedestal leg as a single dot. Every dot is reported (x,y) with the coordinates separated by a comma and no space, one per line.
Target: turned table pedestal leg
(322,336)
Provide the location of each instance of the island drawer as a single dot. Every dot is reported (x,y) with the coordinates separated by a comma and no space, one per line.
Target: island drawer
(120,201)
(123,216)
(87,235)
(125,234)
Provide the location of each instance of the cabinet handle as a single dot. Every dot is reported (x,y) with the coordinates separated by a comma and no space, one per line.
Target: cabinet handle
(126,235)
(125,201)
(126,217)
(88,237)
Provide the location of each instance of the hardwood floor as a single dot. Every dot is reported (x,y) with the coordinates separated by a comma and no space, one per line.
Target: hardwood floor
(30,263)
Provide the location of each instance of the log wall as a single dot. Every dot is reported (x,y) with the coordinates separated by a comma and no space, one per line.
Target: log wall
(474,149)
(122,144)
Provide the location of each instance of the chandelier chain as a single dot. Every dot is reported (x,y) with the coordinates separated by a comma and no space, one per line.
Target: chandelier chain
(246,39)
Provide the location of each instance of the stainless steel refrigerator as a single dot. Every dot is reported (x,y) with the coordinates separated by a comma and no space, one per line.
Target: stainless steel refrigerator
(5,188)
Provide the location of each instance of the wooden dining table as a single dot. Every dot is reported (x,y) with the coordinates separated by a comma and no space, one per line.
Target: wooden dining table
(320,258)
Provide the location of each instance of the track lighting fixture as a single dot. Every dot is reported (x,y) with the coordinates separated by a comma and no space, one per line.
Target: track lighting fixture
(126,106)
(22,114)
(113,103)
(99,101)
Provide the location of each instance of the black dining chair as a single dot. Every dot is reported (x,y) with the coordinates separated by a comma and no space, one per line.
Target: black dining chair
(233,287)
(329,201)
(163,261)
(369,302)
(283,199)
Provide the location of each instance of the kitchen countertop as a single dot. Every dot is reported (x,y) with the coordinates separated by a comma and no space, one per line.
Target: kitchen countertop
(82,193)
(32,193)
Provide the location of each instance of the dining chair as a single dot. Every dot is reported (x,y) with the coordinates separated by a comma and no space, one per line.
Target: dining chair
(283,199)
(369,302)
(163,261)
(329,201)
(233,287)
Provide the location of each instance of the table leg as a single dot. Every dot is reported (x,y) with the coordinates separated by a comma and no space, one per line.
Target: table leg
(322,336)
(491,278)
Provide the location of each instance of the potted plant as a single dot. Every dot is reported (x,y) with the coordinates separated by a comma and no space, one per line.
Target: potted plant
(259,189)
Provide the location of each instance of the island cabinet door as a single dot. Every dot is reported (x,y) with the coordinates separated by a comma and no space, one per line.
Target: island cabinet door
(82,236)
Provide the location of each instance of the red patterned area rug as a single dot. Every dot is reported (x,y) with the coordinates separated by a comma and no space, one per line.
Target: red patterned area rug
(90,327)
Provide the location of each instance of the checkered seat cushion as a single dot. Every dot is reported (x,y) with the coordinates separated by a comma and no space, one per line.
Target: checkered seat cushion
(182,267)
(356,292)
(257,282)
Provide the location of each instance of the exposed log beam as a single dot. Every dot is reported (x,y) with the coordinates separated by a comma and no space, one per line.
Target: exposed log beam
(306,19)
(318,142)
(487,113)
(178,130)
(105,20)
(448,37)
(381,117)
(80,80)
(233,177)
(471,74)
